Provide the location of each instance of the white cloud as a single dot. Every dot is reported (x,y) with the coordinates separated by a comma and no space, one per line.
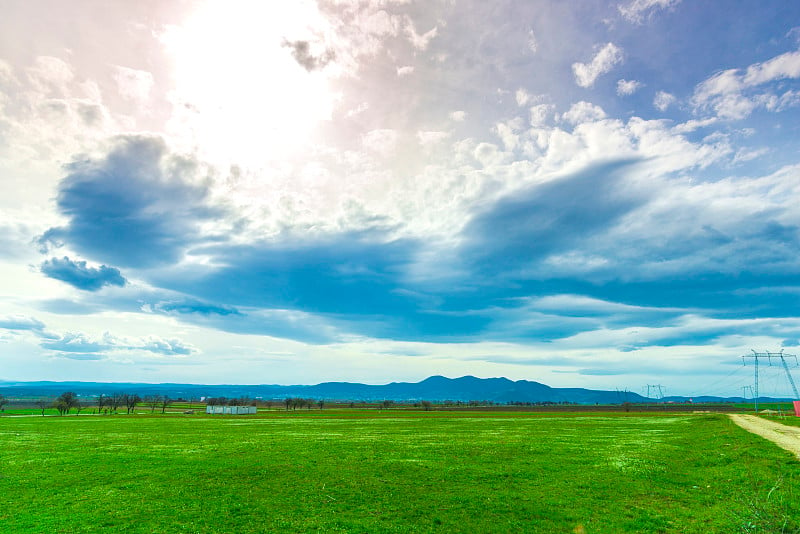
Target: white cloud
(51,76)
(539,114)
(780,67)
(379,23)
(133,84)
(382,141)
(583,112)
(458,116)
(508,135)
(7,74)
(71,344)
(405,70)
(733,94)
(420,42)
(427,138)
(628,87)
(358,110)
(488,154)
(606,59)
(637,11)
(533,43)
(663,100)
(748,154)
(522,97)
(692,125)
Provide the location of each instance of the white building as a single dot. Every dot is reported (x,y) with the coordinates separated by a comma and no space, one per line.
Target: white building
(231,410)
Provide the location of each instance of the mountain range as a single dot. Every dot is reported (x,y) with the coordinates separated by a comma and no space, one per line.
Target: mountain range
(434,389)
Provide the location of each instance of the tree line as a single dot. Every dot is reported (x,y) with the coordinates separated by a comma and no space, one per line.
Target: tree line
(105,404)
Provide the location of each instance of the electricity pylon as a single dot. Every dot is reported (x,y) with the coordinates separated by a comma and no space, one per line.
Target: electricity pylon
(658,388)
(769,355)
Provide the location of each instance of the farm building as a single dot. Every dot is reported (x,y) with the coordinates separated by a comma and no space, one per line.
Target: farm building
(231,410)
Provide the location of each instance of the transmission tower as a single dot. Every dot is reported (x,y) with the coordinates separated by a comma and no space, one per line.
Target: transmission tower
(782,356)
(769,355)
(658,389)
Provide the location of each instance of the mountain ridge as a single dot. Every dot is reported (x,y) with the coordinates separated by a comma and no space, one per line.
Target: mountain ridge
(434,388)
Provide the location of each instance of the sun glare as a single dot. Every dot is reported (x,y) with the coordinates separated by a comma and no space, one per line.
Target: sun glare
(240,94)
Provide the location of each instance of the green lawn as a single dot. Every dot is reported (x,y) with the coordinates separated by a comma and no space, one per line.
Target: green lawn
(365,471)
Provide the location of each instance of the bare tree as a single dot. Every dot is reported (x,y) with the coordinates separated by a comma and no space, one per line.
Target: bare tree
(164,402)
(102,402)
(43,404)
(131,401)
(152,401)
(115,400)
(3,402)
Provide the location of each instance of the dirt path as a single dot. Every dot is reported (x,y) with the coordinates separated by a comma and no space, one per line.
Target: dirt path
(786,437)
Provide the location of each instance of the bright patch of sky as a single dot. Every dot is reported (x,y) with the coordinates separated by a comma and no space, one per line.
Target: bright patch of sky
(260,192)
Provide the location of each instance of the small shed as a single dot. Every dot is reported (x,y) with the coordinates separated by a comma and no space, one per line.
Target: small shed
(231,410)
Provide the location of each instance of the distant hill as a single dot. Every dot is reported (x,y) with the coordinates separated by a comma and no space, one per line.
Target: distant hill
(434,389)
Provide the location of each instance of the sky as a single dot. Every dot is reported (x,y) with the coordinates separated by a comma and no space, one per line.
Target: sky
(600,194)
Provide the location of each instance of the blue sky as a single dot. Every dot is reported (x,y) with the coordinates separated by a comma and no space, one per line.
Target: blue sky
(599,196)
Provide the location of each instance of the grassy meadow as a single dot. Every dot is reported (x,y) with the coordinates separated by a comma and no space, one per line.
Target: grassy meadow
(369,471)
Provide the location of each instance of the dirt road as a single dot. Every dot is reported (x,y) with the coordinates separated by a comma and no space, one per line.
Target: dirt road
(787,437)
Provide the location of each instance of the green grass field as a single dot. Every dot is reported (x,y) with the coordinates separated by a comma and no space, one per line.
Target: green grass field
(367,471)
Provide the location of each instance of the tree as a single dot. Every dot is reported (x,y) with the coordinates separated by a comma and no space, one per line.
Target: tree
(164,402)
(3,402)
(116,399)
(426,405)
(288,402)
(65,402)
(321,403)
(131,401)
(102,401)
(43,404)
(152,401)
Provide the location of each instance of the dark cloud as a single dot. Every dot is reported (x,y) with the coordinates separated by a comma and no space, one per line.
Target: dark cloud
(286,324)
(301,52)
(137,207)
(349,273)
(140,207)
(190,306)
(281,323)
(21,323)
(79,275)
(524,228)
(355,281)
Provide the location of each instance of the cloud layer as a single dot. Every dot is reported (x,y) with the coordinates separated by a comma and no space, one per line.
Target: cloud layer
(374,191)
